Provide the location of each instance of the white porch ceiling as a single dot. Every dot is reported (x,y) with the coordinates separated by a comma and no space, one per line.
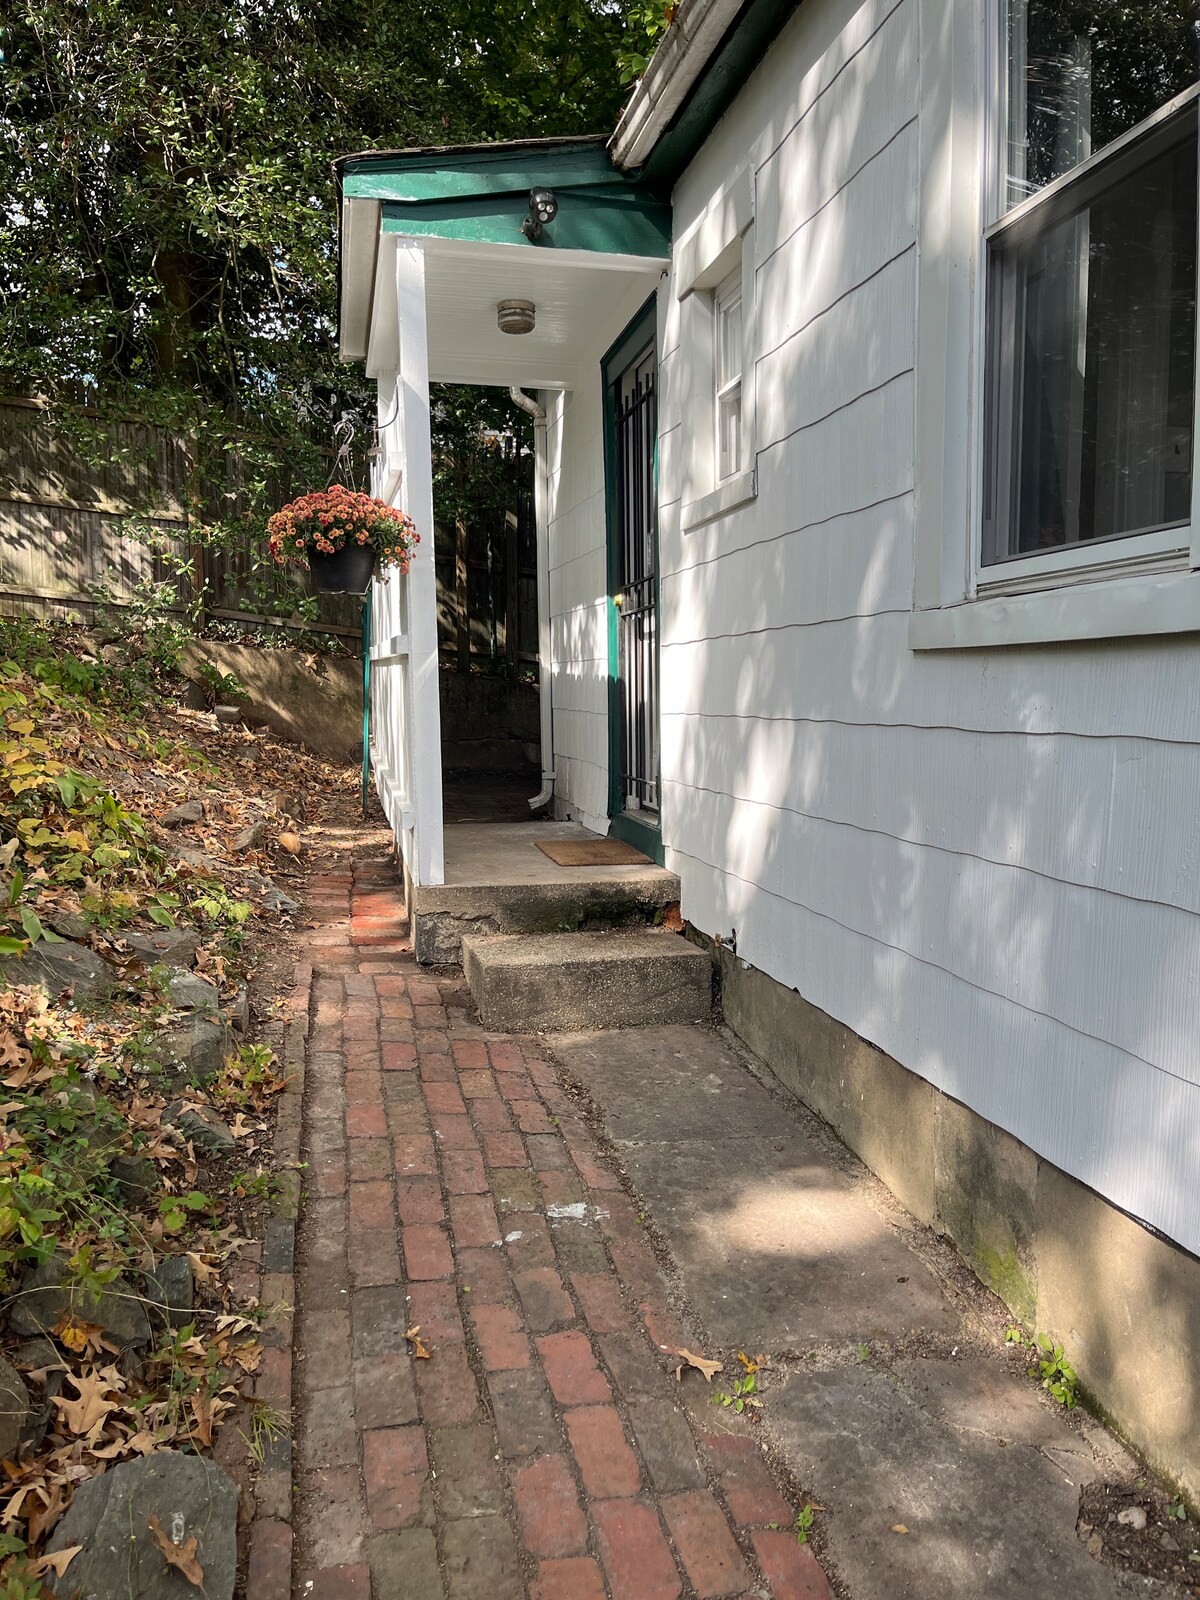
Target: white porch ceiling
(578,296)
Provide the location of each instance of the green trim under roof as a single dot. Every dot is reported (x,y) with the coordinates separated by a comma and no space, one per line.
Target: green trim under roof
(481,193)
(743,46)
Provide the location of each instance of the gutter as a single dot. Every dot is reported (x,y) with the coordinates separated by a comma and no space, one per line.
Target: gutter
(540,507)
(674,70)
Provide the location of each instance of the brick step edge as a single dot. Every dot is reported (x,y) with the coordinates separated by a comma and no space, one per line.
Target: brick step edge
(269,1574)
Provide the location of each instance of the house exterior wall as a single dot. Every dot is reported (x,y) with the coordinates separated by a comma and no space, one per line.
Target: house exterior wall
(985,863)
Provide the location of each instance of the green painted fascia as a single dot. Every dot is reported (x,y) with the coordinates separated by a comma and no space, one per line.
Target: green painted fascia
(731,63)
(422,175)
(607,222)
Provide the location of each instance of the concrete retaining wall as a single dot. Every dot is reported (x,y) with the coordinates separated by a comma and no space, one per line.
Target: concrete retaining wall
(312,699)
(1124,1302)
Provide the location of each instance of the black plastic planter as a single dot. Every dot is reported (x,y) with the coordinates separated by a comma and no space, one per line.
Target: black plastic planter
(346,571)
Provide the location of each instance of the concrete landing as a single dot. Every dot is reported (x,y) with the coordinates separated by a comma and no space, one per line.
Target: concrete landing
(498,881)
(529,983)
(894,1404)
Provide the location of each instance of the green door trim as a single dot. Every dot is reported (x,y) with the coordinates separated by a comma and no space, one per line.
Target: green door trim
(642,328)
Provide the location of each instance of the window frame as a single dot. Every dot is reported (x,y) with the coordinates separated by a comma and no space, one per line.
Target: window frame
(726,295)
(716,251)
(1129,585)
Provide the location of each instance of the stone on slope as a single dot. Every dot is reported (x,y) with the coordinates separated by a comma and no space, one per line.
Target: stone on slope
(45,1294)
(190,992)
(14,1410)
(109,1516)
(173,947)
(202,1126)
(60,966)
(170,1288)
(192,1047)
(179,816)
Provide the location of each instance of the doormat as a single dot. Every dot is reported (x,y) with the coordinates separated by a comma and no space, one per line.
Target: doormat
(593,853)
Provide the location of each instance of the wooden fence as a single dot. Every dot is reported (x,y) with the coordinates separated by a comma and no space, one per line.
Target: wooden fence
(73,538)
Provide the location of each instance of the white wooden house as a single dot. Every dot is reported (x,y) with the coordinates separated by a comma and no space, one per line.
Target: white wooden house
(869,527)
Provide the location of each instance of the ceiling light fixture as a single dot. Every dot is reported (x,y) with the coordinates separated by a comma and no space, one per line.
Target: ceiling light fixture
(543,208)
(515,316)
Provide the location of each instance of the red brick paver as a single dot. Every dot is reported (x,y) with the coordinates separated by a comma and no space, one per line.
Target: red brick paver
(543,1450)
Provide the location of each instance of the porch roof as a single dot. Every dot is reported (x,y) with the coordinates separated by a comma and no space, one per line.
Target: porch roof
(465,205)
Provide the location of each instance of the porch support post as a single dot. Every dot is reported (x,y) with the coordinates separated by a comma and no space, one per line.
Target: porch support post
(426,862)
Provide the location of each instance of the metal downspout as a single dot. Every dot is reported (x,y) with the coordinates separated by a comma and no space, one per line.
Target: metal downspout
(540,505)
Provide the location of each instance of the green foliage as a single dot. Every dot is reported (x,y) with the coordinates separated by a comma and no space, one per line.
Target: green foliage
(1058,1376)
(743,1389)
(804,1522)
(223,687)
(168,243)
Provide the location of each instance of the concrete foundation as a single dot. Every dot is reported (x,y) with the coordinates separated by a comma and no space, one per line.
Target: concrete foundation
(530,984)
(1124,1303)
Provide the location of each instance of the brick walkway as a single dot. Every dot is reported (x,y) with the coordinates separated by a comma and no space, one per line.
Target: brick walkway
(545,1448)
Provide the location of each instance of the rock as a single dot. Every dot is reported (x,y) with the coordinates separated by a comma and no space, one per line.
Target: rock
(1167,1542)
(269,893)
(192,696)
(189,992)
(1132,1517)
(202,1126)
(169,1287)
(14,1410)
(192,1048)
(228,714)
(69,924)
(174,947)
(109,1516)
(191,857)
(42,1355)
(238,1009)
(291,805)
(136,1177)
(253,837)
(44,1296)
(60,966)
(180,816)
(1095,1545)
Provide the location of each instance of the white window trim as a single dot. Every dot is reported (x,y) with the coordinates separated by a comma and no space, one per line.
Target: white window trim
(718,244)
(1145,584)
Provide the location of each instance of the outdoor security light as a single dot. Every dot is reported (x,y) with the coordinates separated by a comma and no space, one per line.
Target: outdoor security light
(543,208)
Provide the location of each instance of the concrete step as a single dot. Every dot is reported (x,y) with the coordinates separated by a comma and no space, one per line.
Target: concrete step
(563,981)
(498,881)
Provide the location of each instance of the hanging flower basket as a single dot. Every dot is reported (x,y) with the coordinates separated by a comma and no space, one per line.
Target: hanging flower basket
(341,536)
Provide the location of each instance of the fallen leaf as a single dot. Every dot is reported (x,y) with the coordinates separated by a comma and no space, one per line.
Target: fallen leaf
(420,1350)
(180,1556)
(701,1364)
(898,1527)
(81,1337)
(753,1363)
(86,1414)
(57,1563)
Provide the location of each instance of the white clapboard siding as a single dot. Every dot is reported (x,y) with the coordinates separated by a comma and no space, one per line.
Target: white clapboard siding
(984,862)
(1117,1122)
(863,671)
(1111,814)
(1064,951)
(859,564)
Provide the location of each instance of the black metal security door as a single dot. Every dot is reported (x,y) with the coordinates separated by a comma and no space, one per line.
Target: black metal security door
(635,570)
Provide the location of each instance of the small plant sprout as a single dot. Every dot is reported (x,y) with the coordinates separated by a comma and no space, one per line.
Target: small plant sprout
(804,1522)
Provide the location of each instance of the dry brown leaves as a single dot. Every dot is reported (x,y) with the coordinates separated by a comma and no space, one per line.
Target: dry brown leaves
(181,1557)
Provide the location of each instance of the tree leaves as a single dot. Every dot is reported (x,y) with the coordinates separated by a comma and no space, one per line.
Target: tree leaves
(700,1364)
(180,1557)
